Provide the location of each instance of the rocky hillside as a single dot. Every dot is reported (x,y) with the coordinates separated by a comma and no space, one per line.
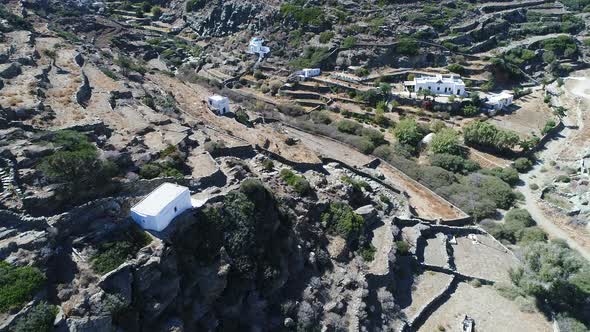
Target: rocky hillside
(314,212)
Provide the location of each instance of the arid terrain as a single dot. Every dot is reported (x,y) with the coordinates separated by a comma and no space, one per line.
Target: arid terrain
(327,188)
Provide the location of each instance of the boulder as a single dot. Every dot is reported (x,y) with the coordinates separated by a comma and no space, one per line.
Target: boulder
(84,91)
(9,71)
(118,282)
(338,249)
(90,324)
(368,213)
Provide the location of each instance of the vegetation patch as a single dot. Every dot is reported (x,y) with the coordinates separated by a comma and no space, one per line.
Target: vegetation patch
(18,285)
(298,183)
(111,255)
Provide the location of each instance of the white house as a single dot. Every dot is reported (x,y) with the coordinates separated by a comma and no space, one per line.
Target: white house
(499,101)
(309,72)
(156,210)
(438,85)
(255,47)
(218,104)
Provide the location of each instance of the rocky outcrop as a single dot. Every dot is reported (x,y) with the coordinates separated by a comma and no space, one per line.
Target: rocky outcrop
(9,71)
(84,91)
(231,16)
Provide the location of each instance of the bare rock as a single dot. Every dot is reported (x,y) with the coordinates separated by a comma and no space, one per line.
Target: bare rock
(338,249)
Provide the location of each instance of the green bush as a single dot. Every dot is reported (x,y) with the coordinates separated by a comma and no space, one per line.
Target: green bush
(312,15)
(349,127)
(299,183)
(522,165)
(456,68)
(550,124)
(18,285)
(268,164)
(39,319)
(446,141)
(480,133)
(563,178)
(470,110)
(348,42)
(451,163)
(340,219)
(408,132)
(111,255)
(407,46)
(403,248)
(326,37)
(312,57)
(508,174)
(368,253)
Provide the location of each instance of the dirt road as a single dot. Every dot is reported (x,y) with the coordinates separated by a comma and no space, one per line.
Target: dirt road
(553,151)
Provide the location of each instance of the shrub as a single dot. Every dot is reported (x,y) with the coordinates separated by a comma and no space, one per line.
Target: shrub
(39,319)
(348,42)
(312,15)
(563,178)
(519,217)
(156,12)
(326,37)
(111,255)
(446,141)
(322,117)
(268,164)
(312,57)
(340,219)
(368,253)
(363,144)
(243,118)
(522,165)
(534,186)
(407,46)
(456,68)
(484,134)
(18,285)
(403,248)
(550,124)
(349,127)
(508,174)
(407,132)
(299,183)
(452,163)
(470,110)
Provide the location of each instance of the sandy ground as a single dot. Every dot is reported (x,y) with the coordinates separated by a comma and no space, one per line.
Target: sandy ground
(485,259)
(491,312)
(426,286)
(526,117)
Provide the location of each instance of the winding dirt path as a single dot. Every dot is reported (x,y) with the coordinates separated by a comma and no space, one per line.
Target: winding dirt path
(553,151)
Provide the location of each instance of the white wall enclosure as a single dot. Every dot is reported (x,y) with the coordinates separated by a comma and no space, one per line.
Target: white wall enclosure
(255,47)
(439,85)
(161,206)
(218,104)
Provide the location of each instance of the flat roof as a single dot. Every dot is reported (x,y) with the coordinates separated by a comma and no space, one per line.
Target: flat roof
(439,78)
(218,98)
(158,199)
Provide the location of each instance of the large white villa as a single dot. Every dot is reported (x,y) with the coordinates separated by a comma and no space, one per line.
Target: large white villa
(438,85)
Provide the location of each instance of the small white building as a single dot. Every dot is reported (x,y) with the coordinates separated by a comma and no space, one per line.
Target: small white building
(438,85)
(255,47)
(161,206)
(499,101)
(309,72)
(218,104)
